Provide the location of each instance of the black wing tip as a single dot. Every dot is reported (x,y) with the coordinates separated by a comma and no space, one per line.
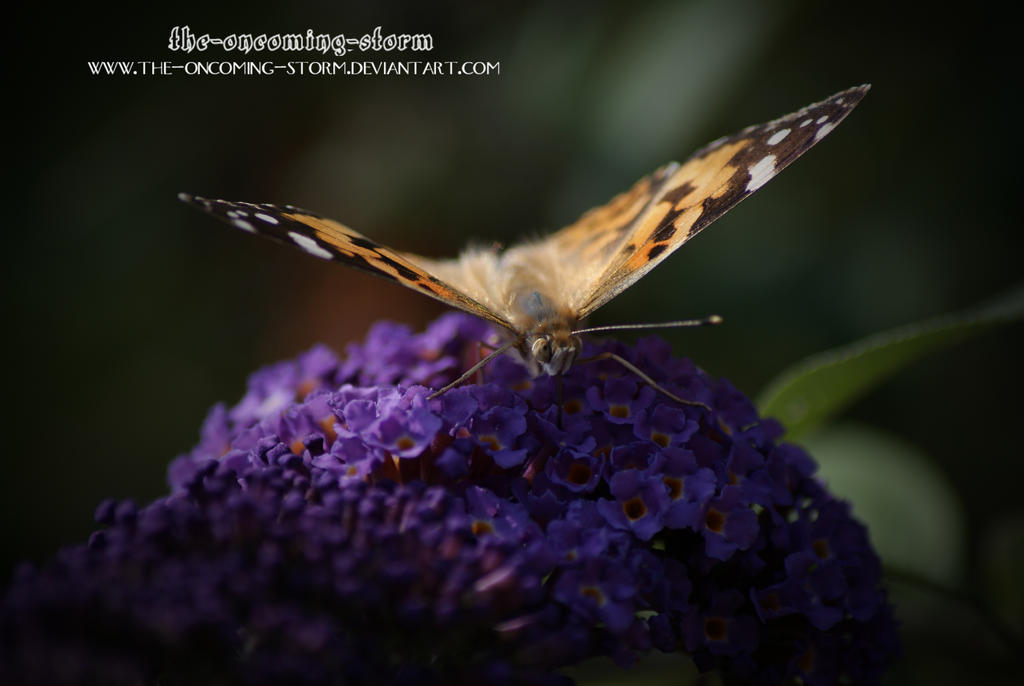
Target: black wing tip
(842,103)
(850,96)
(194,200)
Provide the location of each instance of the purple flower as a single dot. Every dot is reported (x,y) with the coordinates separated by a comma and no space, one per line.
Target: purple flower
(498,426)
(641,500)
(666,425)
(723,628)
(578,471)
(394,421)
(620,399)
(337,526)
(689,487)
(598,592)
(728,524)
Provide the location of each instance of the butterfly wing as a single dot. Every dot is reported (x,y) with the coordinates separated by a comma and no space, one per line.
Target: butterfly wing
(588,263)
(330,240)
(640,228)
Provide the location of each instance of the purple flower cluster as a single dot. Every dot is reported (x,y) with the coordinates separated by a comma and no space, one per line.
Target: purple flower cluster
(337,526)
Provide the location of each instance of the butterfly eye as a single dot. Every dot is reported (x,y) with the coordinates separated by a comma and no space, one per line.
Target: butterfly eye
(541,350)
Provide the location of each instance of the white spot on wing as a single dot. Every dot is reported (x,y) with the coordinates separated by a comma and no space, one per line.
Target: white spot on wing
(805,122)
(265,217)
(761,172)
(823,131)
(244,225)
(309,245)
(778,137)
(822,119)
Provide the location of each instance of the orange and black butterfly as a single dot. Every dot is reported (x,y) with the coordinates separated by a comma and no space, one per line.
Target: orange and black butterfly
(539,291)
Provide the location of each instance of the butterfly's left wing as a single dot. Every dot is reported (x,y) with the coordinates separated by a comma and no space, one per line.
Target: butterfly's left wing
(640,228)
(330,240)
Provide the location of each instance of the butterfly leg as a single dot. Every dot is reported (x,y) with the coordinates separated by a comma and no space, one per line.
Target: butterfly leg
(472,370)
(646,379)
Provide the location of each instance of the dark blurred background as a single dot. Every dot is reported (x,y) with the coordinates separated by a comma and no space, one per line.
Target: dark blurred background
(129,315)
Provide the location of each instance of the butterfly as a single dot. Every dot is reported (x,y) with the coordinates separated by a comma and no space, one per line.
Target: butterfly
(538,291)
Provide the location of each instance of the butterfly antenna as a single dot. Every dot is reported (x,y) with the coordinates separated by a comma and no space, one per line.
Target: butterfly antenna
(643,377)
(472,370)
(682,323)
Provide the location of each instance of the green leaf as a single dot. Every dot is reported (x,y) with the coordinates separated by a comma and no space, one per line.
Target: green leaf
(812,391)
(1002,563)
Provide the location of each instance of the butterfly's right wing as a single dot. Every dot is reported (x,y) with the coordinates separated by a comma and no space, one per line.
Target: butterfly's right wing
(613,246)
(713,180)
(329,240)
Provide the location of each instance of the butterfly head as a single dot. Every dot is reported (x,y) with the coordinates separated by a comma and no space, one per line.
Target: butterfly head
(552,351)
